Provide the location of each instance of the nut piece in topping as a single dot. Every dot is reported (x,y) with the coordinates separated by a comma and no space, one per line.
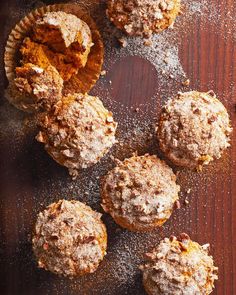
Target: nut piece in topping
(61,40)
(140,192)
(36,88)
(69,239)
(143,17)
(179,266)
(78,132)
(194,128)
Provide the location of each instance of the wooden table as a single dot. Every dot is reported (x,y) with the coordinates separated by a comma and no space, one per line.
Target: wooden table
(30,179)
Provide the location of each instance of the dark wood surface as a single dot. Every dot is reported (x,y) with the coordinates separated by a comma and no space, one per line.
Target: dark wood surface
(30,180)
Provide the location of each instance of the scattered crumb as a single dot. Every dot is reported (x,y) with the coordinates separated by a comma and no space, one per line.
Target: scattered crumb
(148,42)
(123,42)
(186,201)
(177,204)
(103,73)
(186,82)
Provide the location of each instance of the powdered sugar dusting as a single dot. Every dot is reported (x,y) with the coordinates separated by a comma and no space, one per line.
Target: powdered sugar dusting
(218,16)
(196,7)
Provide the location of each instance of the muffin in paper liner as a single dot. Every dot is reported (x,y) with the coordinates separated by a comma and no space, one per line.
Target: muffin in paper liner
(86,77)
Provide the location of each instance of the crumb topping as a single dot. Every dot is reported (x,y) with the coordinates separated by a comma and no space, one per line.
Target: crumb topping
(141,189)
(41,88)
(194,128)
(143,17)
(70,238)
(79,132)
(179,266)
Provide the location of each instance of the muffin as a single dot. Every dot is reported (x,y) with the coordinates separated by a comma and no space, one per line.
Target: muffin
(143,17)
(78,132)
(69,239)
(62,36)
(59,39)
(140,192)
(194,128)
(35,88)
(179,266)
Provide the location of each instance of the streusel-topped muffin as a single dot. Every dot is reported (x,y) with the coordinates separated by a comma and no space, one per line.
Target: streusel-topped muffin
(69,239)
(140,192)
(78,132)
(194,128)
(143,17)
(179,266)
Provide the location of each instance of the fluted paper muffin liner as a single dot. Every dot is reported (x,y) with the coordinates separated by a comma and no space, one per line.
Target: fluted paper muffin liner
(86,77)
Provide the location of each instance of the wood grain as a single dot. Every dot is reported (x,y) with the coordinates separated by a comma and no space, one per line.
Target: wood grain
(209,60)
